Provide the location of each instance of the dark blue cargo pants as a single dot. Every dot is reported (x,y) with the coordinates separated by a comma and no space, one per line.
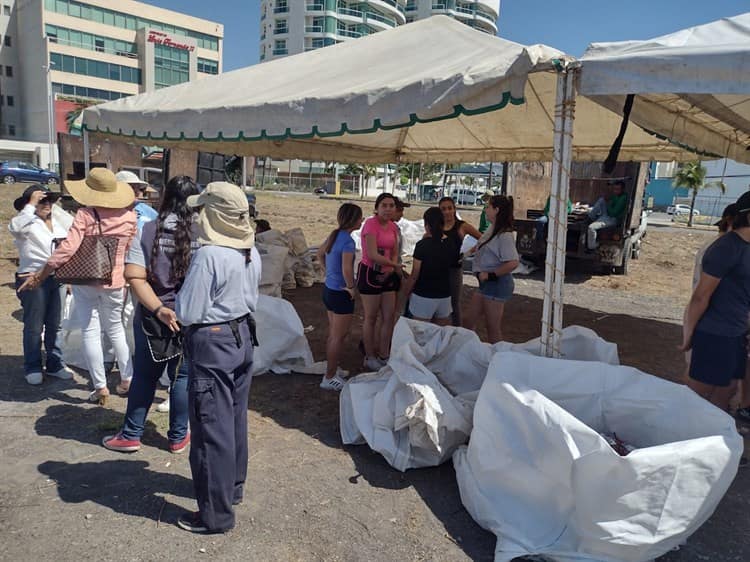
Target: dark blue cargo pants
(221,358)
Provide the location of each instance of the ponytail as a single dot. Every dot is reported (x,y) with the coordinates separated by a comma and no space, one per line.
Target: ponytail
(348,217)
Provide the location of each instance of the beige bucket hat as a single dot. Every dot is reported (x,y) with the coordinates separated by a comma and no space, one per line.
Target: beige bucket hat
(101,189)
(224,219)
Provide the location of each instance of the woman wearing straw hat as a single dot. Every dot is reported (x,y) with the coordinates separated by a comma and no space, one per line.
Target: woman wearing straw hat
(36,230)
(215,307)
(98,307)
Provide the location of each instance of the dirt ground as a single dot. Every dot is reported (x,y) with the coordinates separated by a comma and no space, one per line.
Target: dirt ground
(63,496)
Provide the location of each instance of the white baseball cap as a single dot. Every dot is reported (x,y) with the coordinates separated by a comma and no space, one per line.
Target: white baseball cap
(129,177)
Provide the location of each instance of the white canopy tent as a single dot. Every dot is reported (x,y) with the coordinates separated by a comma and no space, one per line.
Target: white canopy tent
(692,86)
(432,91)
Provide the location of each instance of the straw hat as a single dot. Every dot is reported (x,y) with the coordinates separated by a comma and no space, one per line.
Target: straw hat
(134,181)
(224,219)
(101,189)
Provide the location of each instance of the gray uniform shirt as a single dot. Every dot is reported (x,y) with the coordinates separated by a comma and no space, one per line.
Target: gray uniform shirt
(219,286)
(501,249)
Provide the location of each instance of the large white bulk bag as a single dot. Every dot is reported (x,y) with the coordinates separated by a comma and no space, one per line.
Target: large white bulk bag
(539,475)
(418,409)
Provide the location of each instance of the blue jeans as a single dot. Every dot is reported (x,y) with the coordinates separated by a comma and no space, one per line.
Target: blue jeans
(42,312)
(146,374)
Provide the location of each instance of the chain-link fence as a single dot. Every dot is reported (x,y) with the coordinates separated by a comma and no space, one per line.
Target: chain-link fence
(305,184)
(709,207)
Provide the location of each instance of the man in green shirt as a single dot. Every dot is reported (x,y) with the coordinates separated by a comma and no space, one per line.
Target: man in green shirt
(541,222)
(607,213)
(484,224)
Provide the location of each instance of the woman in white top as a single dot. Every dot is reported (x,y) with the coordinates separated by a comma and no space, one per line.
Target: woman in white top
(36,229)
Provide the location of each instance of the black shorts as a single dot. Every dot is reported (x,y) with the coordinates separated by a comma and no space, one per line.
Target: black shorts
(716,360)
(371,282)
(338,302)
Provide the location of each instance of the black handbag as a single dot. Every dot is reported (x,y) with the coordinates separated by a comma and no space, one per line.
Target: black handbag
(163,343)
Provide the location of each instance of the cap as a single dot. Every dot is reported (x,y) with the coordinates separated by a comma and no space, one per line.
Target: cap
(401,204)
(743,203)
(129,177)
(730,211)
(22,201)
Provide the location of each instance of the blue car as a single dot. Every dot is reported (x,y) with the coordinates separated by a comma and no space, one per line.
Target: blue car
(12,171)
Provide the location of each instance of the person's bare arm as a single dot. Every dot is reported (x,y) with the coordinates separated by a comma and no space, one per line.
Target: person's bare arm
(347,270)
(372,252)
(137,276)
(321,255)
(468,229)
(697,307)
(408,285)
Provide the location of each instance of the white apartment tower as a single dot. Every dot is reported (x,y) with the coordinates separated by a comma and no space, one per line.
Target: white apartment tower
(288,27)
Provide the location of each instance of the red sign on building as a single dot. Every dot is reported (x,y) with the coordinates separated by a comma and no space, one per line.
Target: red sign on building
(159,38)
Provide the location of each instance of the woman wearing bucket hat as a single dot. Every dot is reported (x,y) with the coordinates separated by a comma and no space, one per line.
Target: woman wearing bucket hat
(715,326)
(106,209)
(215,307)
(36,230)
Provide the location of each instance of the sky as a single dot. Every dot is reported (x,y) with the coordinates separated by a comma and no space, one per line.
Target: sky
(567,25)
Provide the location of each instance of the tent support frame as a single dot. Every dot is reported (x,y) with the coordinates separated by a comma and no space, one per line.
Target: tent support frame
(554,274)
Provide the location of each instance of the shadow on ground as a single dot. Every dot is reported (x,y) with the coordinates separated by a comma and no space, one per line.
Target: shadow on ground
(90,425)
(125,486)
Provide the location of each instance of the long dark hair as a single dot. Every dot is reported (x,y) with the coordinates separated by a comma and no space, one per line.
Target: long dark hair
(504,219)
(347,217)
(433,219)
(174,201)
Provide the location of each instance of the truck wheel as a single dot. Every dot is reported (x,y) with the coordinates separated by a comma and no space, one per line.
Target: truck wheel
(623,269)
(636,252)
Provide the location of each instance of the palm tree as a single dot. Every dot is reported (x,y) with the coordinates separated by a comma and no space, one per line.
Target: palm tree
(692,176)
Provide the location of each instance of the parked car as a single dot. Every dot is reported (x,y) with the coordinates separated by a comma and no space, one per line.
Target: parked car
(681,209)
(467,197)
(12,171)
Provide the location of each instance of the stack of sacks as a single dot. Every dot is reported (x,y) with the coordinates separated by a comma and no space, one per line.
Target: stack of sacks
(538,473)
(287,261)
(418,409)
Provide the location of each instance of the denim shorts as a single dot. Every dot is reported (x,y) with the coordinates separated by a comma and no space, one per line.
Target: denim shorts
(501,289)
(423,307)
(338,302)
(717,360)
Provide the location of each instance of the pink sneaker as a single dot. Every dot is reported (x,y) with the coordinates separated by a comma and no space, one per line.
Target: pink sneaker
(117,443)
(180,446)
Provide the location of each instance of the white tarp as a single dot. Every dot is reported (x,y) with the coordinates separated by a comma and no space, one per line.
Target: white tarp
(418,408)
(283,344)
(692,86)
(539,475)
(466,97)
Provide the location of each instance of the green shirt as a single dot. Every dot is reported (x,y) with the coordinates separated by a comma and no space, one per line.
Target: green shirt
(546,207)
(484,224)
(617,205)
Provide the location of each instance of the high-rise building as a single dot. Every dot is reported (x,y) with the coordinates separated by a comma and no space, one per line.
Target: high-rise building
(60,54)
(288,27)
(479,14)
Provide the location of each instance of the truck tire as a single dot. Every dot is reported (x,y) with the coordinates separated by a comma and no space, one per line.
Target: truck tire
(626,251)
(636,251)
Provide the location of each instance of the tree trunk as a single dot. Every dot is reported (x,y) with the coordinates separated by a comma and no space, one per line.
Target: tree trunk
(692,206)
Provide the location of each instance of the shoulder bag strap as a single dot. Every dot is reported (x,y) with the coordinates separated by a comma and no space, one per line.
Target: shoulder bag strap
(98,220)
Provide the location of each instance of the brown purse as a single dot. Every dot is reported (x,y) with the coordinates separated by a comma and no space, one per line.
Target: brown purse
(93,261)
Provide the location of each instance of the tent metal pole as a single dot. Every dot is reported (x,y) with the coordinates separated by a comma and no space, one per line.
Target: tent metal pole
(86,156)
(554,274)
(562,205)
(244,171)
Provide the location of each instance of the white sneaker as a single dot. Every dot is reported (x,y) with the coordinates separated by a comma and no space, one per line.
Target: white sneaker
(334,383)
(64,374)
(163,407)
(374,363)
(34,378)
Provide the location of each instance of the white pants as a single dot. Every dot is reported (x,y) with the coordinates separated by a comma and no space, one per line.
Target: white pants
(100,310)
